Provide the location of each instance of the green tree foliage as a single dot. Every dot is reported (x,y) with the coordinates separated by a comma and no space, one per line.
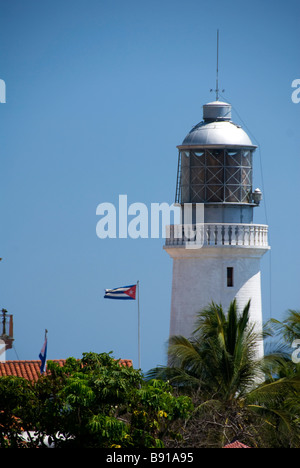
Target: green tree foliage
(214,390)
(235,394)
(16,396)
(89,403)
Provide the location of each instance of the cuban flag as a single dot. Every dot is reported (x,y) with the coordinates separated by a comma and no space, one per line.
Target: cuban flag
(125,293)
(43,356)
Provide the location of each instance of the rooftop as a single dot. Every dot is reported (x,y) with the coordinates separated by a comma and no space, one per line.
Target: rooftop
(30,370)
(236,444)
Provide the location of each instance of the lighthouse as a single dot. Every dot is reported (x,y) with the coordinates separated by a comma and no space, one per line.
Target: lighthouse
(216,255)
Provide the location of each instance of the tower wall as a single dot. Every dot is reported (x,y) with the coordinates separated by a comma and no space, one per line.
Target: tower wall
(200,277)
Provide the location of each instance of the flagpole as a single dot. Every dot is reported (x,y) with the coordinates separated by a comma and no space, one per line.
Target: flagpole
(139,324)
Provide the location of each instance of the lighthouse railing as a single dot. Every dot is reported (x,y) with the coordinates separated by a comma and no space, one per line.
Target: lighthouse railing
(217,234)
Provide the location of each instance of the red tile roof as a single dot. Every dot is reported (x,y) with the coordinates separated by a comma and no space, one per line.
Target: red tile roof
(30,370)
(236,444)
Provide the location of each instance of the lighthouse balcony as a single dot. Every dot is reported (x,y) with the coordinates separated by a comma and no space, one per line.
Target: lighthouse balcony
(217,234)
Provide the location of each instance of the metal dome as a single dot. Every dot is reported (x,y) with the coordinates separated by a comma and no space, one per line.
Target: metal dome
(217,129)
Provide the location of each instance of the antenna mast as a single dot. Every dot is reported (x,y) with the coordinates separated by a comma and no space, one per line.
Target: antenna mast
(217,75)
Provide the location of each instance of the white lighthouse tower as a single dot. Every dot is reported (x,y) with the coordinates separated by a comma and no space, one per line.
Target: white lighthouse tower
(217,258)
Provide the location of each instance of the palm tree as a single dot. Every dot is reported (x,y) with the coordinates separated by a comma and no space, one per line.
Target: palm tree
(219,358)
(289,328)
(235,393)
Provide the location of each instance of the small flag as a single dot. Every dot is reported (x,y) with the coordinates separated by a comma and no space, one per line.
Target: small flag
(125,292)
(43,355)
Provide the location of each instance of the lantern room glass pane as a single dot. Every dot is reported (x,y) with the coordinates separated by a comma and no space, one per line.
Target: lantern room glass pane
(216,175)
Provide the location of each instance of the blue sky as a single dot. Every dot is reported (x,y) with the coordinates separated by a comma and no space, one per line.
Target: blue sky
(98,95)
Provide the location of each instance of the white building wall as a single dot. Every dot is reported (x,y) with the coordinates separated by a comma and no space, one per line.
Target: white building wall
(200,277)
